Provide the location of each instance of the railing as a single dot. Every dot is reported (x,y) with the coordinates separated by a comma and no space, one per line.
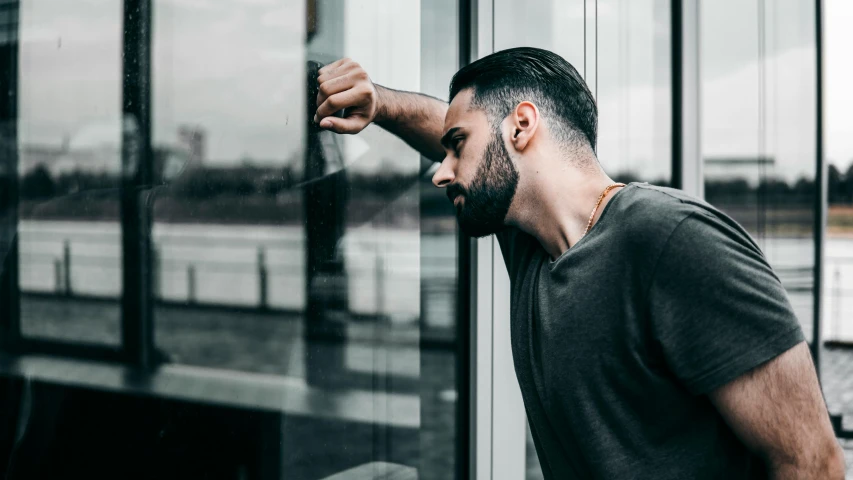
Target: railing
(437,288)
(838,297)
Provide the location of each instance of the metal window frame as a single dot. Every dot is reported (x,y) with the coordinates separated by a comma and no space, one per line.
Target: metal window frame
(687,171)
(676,80)
(137,329)
(136,343)
(466,288)
(10,328)
(821,196)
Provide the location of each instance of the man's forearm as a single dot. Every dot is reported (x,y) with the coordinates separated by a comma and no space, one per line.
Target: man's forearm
(417,119)
(827,464)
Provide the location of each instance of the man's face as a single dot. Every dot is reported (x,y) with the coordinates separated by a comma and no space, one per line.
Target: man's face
(477,172)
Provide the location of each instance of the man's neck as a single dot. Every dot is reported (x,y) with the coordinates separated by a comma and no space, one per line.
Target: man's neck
(555,206)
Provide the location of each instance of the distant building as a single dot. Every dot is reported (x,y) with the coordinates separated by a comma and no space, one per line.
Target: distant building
(193,140)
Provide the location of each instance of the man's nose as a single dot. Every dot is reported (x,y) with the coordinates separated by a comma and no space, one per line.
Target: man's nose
(444,176)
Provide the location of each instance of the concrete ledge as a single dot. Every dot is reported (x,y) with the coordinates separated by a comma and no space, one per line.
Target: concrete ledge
(289,395)
(377,471)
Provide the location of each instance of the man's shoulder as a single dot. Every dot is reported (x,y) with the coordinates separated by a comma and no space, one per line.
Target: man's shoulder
(653,206)
(649,214)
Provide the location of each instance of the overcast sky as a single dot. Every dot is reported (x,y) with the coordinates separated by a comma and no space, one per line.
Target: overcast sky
(838,85)
(235,67)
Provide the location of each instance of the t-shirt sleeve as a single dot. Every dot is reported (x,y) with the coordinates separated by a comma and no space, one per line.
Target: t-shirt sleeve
(716,307)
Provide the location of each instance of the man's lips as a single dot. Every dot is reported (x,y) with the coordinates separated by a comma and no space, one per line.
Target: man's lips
(454,193)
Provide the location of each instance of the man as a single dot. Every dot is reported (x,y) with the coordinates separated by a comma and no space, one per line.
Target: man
(650,337)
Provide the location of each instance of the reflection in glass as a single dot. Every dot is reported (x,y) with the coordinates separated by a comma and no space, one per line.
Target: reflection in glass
(70,264)
(556,25)
(758,140)
(634,92)
(287,252)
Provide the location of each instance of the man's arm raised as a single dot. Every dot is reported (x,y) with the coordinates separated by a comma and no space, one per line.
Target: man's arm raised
(417,119)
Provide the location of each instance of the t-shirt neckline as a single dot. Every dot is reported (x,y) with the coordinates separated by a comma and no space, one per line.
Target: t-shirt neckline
(593,230)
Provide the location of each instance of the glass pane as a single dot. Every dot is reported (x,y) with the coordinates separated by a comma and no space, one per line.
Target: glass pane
(758,141)
(634,90)
(532,468)
(838,248)
(69,136)
(324,262)
(556,25)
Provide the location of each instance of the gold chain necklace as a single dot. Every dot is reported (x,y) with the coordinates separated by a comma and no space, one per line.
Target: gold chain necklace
(597,204)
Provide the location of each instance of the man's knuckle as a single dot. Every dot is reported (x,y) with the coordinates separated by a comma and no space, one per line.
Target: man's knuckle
(365,93)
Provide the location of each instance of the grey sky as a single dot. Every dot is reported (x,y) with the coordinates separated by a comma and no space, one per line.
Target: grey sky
(838,85)
(235,67)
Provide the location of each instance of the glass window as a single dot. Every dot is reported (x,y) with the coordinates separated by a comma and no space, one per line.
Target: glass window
(302,310)
(758,140)
(554,25)
(838,243)
(634,90)
(285,250)
(69,146)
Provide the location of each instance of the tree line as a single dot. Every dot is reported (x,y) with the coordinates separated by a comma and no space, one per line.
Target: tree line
(207,182)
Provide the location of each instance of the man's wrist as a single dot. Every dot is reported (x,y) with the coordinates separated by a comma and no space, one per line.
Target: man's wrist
(383,104)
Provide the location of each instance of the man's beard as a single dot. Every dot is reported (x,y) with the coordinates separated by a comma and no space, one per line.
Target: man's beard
(487,200)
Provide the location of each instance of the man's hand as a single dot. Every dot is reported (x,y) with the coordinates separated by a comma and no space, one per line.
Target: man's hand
(415,118)
(345,85)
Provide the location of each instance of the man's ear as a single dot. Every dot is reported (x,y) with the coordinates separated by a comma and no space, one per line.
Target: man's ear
(524,122)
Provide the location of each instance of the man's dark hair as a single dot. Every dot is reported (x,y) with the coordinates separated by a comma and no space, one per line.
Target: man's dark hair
(504,79)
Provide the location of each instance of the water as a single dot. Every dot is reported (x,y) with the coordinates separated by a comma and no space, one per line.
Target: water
(385,267)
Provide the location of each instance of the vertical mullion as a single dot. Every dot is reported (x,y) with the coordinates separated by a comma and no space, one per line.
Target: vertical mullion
(465,248)
(675,18)
(590,42)
(480,388)
(821,199)
(690,116)
(137,329)
(10,319)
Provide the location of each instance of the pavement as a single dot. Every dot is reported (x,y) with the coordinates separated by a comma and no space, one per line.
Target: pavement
(837,382)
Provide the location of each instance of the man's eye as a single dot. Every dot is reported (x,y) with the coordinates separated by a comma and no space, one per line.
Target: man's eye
(456,142)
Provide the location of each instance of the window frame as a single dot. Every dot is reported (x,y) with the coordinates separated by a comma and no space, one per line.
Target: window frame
(135,346)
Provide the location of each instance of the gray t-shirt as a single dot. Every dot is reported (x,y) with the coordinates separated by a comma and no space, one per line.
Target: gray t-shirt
(617,343)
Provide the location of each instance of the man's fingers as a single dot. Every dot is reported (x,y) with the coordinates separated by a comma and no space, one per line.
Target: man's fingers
(344,85)
(333,65)
(337,71)
(352,124)
(346,99)
(333,86)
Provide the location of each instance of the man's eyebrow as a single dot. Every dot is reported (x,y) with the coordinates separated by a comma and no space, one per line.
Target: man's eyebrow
(445,139)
